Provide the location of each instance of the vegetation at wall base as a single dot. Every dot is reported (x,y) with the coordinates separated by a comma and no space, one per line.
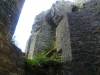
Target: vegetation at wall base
(50,47)
(40,58)
(37,59)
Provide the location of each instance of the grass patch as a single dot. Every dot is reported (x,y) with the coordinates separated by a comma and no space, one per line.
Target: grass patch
(40,58)
(37,59)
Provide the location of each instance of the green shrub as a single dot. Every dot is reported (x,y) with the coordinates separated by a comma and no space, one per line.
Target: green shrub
(29,61)
(40,58)
(37,59)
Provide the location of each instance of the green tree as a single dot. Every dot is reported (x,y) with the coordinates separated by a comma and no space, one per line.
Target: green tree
(13,41)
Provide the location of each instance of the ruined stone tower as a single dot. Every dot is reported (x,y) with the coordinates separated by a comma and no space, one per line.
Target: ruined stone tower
(48,28)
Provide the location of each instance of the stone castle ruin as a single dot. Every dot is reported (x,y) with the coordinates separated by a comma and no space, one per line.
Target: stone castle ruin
(75,30)
(49,27)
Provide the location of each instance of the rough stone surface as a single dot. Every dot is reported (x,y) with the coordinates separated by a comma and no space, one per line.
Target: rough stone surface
(58,14)
(44,29)
(81,1)
(11,57)
(9,12)
(63,40)
(51,68)
(85,36)
(84,28)
(43,36)
(58,11)
(11,61)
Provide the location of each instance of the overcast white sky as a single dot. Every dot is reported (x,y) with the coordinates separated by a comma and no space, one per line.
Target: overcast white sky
(30,10)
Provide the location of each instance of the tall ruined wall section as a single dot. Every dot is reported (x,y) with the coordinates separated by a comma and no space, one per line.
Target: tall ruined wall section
(11,57)
(84,28)
(58,14)
(44,29)
(43,35)
(63,40)
(85,38)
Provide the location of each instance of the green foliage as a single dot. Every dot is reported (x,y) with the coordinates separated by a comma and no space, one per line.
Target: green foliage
(41,57)
(50,47)
(13,41)
(29,61)
(56,58)
(37,59)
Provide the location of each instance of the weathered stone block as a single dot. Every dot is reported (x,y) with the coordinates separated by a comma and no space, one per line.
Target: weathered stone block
(63,40)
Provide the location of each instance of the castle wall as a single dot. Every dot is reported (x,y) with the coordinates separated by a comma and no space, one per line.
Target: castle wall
(63,40)
(11,57)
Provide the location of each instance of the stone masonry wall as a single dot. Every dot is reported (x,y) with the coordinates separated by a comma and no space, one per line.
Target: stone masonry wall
(63,40)
(85,38)
(9,14)
(11,57)
(43,36)
(58,14)
(84,28)
(44,28)
(81,1)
